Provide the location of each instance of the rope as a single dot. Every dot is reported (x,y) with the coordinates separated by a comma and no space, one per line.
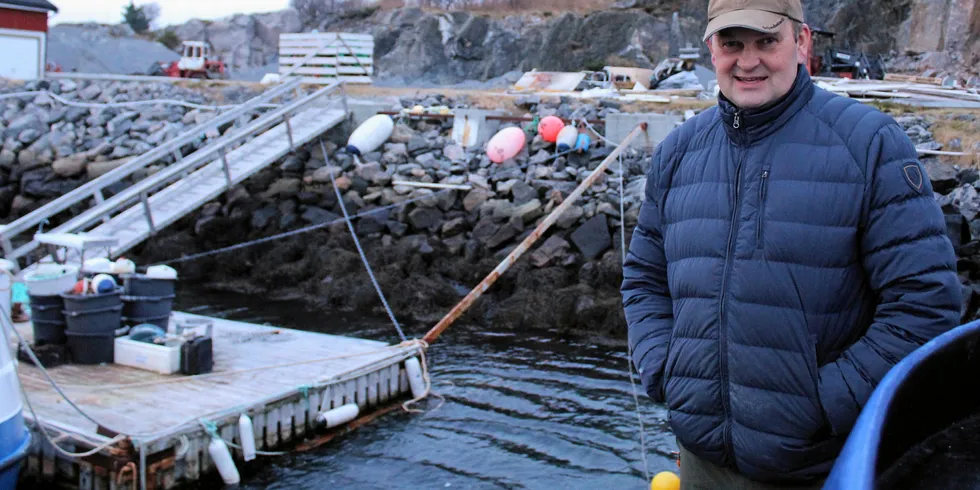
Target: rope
(294,232)
(357,243)
(629,350)
(93,105)
(212,429)
(428,384)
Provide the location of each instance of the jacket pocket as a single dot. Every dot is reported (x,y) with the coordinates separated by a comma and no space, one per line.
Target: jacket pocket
(763,189)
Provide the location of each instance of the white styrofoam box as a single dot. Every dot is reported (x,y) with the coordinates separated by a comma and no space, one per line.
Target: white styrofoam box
(151,357)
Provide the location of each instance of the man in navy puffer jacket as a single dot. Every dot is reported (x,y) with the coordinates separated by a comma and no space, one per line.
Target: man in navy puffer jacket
(789,251)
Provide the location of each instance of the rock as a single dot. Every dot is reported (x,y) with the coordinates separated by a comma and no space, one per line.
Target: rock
(484,229)
(372,222)
(475,198)
(942,175)
(523,193)
(966,199)
(70,166)
(453,227)
(396,153)
(402,133)
(416,145)
(425,198)
(425,159)
(91,92)
(454,245)
(22,205)
(528,211)
(550,251)
(263,216)
(503,235)
(454,153)
(592,238)
(318,216)
(322,175)
(97,169)
(7,158)
(478,180)
(283,188)
(423,219)
(28,136)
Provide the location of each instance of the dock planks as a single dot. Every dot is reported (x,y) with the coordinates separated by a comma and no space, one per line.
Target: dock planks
(280,377)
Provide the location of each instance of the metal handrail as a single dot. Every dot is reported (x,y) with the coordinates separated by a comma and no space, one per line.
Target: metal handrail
(95,186)
(141,190)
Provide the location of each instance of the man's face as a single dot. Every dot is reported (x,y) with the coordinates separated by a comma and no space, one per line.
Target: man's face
(755,68)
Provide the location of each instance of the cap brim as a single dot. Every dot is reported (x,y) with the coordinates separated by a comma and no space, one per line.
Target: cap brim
(758,20)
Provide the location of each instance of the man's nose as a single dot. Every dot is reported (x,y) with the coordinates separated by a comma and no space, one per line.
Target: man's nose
(748,59)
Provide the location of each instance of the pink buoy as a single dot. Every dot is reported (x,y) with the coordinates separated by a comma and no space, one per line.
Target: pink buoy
(507,143)
(549,127)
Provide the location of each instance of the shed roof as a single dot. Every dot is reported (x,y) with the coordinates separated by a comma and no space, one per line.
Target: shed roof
(33,4)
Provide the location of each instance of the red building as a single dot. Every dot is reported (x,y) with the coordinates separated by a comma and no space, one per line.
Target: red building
(24,38)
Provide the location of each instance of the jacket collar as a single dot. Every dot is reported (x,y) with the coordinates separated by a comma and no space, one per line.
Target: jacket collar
(755,124)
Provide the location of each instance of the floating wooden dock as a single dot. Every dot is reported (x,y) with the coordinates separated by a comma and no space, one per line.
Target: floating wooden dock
(281,378)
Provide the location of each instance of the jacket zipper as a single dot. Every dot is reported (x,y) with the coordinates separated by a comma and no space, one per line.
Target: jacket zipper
(763,186)
(723,327)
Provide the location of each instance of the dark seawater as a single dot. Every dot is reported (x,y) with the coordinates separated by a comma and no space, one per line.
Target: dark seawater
(522,410)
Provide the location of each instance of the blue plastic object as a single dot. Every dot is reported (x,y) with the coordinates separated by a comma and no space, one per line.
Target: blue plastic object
(15,441)
(146,333)
(929,390)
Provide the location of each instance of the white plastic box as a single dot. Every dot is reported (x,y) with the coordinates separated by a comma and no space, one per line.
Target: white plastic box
(151,357)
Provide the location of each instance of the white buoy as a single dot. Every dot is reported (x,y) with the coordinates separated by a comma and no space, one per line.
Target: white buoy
(415,380)
(371,134)
(222,459)
(339,416)
(247,435)
(566,138)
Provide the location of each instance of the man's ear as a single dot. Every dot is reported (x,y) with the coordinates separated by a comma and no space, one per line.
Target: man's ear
(803,45)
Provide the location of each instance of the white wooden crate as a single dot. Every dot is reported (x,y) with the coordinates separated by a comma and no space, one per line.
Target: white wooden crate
(327,57)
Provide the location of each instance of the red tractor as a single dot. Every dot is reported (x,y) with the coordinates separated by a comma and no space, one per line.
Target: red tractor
(197,61)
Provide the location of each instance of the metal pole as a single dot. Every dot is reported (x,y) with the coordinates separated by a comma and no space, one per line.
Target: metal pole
(343,95)
(99,199)
(502,267)
(146,211)
(289,131)
(224,163)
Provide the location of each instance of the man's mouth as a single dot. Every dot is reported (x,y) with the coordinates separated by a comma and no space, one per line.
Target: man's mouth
(750,79)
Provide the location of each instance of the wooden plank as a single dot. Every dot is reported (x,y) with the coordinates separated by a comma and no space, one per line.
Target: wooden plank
(373,380)
(286,423)
(86,476)
(292,56)
(347,36)
(272,427)
(953,94)
(343,70)
(314,43)
(192,460)
(393,378)
(361,396)
(329,80)
(895,77)
(384,384)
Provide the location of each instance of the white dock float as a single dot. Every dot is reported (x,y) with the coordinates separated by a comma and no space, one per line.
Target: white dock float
(281,378)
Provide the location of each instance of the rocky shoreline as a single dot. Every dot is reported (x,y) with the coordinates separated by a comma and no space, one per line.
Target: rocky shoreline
(426,247)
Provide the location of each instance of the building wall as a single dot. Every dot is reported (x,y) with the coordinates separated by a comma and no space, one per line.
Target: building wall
(23,20)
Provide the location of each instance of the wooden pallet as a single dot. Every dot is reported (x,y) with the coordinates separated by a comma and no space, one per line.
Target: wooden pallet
(275,375)
(322,58)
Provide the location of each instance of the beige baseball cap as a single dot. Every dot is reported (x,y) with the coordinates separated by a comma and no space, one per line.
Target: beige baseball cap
(759,15)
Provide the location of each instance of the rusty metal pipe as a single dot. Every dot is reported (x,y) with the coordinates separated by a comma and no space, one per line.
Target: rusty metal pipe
(538,232)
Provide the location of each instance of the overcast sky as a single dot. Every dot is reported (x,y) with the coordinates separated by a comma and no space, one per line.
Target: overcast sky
(171,11)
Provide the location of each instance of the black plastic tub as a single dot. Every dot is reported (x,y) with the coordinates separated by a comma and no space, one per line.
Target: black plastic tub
(48,332)
(88,302)
(162,321)
(92,348)
(147,306)
(97,321)
(48,308)
(141,285)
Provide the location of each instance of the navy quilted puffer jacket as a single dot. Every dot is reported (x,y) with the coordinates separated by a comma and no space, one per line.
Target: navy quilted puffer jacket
(783,261)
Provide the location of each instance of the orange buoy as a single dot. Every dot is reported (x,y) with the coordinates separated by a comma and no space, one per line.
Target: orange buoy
(506,144)
(549,128)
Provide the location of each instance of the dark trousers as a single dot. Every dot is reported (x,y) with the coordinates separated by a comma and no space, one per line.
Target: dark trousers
(697,474)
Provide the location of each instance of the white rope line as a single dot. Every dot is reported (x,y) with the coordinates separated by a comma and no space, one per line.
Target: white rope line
(93,105)
(629,350)
(357,243)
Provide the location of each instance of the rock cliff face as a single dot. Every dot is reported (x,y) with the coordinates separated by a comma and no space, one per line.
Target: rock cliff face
(414,45)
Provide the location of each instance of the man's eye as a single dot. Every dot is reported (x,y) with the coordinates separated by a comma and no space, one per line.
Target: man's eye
(731,44)
(768,40)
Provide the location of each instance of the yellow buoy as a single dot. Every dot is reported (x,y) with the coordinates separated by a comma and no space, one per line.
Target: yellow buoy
(418,110)
(665,480)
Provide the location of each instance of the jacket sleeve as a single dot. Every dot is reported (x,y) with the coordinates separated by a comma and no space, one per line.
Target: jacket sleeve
(910,265)
(646,297)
